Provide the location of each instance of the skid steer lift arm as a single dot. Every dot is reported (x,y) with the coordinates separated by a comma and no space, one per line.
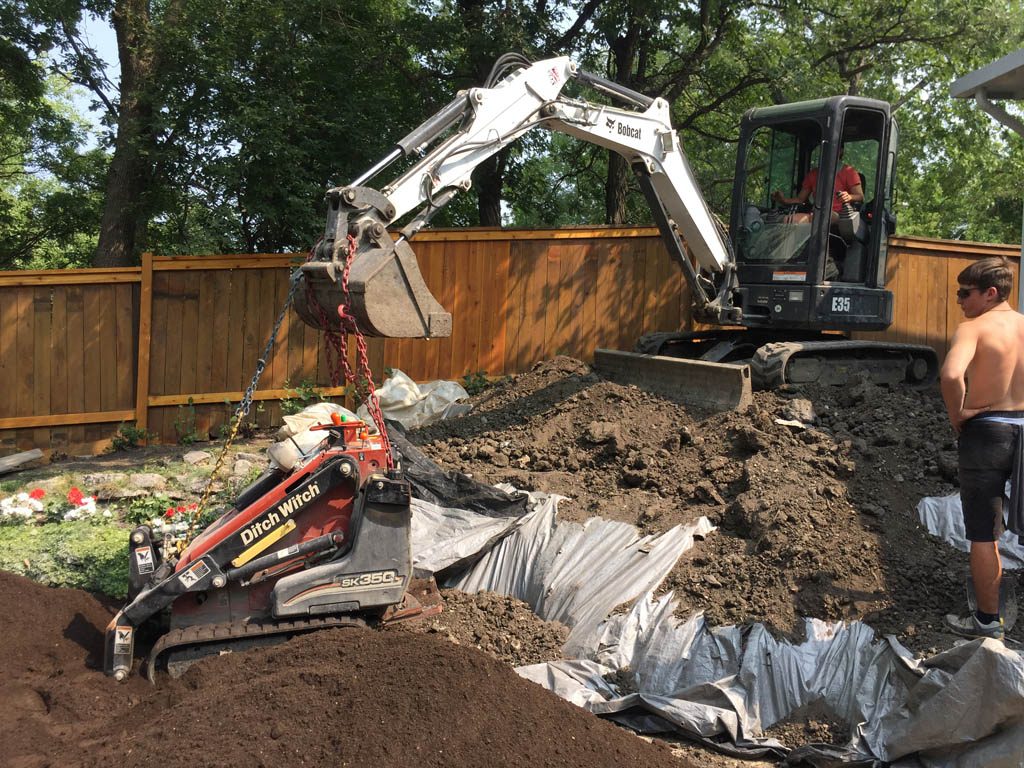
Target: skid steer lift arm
(387,294)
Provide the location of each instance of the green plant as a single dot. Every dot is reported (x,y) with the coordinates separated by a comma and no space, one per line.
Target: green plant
(129,436)
(475,382)
(146,508)
(80,554)
(185,424)
(300,396)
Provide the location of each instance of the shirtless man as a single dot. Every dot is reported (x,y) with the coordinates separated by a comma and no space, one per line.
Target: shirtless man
(987,352)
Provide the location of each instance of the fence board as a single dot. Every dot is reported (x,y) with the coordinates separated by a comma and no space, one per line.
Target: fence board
(76,354)
(125,343)
(24,373)
(495,308)
(106,332)
(41,357)
(58,351)
(8,350)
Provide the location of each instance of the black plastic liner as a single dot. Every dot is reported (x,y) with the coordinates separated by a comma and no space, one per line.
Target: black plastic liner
(451,489)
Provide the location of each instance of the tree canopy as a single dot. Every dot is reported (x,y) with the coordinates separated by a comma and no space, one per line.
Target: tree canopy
(228,120)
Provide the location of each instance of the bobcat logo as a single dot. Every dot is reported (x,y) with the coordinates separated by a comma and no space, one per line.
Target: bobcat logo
(609,123)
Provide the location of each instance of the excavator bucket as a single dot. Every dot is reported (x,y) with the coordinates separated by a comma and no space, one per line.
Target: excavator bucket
(387,295)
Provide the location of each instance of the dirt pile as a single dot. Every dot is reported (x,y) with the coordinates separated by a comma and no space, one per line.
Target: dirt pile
(814,490)
(355,697)
(498,625)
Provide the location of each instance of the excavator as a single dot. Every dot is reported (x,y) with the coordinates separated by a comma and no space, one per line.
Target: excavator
(323,539)
(779,290)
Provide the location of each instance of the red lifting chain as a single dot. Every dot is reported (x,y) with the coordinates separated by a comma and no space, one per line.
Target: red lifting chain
(336,345)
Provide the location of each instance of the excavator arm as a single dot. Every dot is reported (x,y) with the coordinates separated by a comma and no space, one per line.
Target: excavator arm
(360,264)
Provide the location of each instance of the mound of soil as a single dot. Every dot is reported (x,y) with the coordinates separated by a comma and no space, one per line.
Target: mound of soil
(816,514)
(354,697)
(498,625)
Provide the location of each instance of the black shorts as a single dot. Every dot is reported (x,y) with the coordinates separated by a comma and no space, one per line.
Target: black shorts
(986,450)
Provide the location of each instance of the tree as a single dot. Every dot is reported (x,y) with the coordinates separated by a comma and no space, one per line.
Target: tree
(48,181)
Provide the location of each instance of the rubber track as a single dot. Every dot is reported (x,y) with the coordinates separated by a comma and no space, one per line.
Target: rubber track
(241,630)
(768,365)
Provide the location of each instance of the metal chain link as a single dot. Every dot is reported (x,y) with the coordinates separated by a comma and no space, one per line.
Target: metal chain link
(336,342)
(243,409)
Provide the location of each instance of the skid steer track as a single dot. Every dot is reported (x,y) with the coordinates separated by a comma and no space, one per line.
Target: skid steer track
(180,648)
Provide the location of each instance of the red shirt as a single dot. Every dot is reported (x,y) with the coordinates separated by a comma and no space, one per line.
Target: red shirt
(846,180)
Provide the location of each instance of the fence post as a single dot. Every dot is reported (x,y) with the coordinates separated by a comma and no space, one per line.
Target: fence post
(145,335)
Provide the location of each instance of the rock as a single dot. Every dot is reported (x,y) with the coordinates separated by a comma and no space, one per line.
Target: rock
(148,481)
(112,494)
(242,468)
(197,457)
(603,432)
(100,479)
(485,451)
(500,460)
(800,409)
(255,458)
(523,461)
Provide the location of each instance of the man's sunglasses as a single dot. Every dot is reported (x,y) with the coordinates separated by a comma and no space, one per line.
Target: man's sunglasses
(963,293)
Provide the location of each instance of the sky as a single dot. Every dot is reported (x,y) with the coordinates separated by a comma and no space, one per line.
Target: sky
(99,35)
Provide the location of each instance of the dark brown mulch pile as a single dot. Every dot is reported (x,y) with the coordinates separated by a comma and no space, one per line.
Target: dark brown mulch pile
(353,697)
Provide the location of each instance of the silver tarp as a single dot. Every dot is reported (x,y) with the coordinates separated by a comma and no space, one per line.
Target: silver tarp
(963,708)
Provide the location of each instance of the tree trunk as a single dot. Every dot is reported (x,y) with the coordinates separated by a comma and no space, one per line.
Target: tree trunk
(624,50)
(131,171)
(616,189)
(488,178)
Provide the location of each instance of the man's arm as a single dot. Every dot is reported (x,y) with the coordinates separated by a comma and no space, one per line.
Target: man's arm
(952,379)
(854,192)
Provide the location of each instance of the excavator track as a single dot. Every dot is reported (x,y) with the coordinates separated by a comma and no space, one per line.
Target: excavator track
(180,648)
(839,362)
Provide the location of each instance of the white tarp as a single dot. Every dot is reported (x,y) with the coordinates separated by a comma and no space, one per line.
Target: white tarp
(577,574)
(961,708)
(415,405)
(943,517)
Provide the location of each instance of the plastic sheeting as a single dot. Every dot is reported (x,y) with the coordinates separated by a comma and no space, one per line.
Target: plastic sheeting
(964,707)
(416,405)
(577,574)
(943,517)
(453,489)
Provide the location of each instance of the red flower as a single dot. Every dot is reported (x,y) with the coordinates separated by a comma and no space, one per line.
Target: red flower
(169,512)
(181,509)
(37,493)
(75,497)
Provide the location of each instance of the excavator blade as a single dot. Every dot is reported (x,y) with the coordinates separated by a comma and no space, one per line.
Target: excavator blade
(718,386)
(388,297)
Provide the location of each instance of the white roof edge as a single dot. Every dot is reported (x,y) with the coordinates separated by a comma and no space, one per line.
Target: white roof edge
(1002,79)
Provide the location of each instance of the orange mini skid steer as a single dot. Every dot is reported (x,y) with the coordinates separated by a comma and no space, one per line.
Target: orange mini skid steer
(326,544)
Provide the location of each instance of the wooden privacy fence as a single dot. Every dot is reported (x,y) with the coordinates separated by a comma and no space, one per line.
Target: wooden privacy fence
(173,344)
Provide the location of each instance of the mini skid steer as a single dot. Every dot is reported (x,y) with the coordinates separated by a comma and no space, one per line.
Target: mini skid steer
(323,544)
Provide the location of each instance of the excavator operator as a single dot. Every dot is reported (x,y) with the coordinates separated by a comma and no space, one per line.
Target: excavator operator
(848,189)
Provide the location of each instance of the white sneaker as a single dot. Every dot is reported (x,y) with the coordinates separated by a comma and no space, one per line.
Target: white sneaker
(969,626)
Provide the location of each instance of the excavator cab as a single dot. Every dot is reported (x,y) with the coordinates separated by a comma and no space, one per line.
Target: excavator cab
(819,265)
